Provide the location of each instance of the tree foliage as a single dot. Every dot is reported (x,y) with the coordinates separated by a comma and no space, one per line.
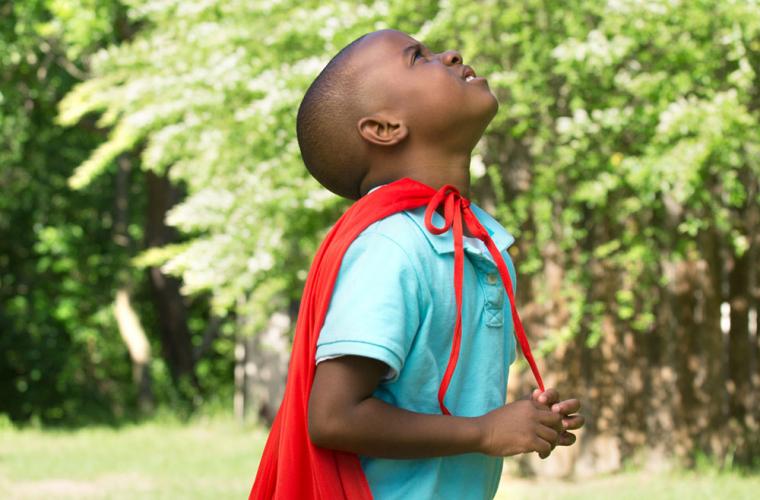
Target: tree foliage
(624,157)
(61,259)
(61,356)
(215,106)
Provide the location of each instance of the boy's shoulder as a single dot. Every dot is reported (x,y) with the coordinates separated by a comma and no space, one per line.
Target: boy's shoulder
(406,229)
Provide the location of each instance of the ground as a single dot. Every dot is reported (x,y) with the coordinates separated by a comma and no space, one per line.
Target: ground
(216,459)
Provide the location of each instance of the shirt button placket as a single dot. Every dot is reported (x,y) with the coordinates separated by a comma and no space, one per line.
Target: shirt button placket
(494,299)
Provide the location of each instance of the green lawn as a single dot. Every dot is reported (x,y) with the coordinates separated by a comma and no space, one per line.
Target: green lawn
(217,459)
(636,486)
(208,459)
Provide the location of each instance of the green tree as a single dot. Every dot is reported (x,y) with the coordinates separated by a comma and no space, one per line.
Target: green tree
(65,253)
(60,358)
(624,157)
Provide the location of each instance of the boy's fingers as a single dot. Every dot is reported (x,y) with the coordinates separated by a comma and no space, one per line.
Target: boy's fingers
(572,422)
(533,396)
(550,419)
(548,397)
(547,434)
(567,406)
(566,439)
(542,447)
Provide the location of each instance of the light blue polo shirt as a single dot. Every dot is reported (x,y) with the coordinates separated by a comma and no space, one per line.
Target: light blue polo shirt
(394,301)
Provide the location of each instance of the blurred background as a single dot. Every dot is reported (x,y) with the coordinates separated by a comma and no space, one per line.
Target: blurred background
(157,225)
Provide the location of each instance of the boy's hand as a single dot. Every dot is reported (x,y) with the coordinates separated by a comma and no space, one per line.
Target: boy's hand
(567,409)
(520,427)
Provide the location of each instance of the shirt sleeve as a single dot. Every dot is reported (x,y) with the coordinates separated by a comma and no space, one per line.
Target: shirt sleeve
(375,308)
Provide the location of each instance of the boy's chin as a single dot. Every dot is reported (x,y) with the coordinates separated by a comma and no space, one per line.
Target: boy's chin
(493,107)
(488,113)
(485,108)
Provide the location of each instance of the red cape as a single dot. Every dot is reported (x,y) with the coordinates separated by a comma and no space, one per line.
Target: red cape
(291,466)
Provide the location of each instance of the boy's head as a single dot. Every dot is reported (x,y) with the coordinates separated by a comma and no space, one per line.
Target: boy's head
(384,100)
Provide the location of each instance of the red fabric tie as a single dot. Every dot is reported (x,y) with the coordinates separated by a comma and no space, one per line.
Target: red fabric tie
(456,208)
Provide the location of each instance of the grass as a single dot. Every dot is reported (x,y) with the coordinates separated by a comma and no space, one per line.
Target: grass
(636,486)
(209,459)
(216,459)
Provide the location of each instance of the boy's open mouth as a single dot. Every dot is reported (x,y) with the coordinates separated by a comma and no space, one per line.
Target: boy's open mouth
(468,75)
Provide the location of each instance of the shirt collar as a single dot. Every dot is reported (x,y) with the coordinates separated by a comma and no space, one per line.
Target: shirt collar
(444,243)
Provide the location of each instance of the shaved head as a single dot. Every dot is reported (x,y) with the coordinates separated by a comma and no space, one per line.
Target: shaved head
(326,125)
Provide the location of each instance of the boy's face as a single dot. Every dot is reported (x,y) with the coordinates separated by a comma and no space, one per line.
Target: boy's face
(427,90)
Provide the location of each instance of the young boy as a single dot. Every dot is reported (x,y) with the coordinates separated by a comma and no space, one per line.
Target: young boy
(410,330)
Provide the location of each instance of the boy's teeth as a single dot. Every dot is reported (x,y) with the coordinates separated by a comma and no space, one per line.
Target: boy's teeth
(468,78)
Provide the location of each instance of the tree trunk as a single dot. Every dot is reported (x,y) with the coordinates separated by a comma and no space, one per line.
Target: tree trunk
(738,339)
(130,328)
(752,221)
(134,337)
(262,369)
(176,344)
(710,382)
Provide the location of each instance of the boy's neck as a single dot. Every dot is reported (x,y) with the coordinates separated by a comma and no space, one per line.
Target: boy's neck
(433,171)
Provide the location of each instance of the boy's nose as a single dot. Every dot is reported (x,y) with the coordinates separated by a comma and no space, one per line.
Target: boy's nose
(451,57)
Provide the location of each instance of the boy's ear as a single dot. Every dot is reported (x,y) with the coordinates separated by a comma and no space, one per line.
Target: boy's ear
(382,129)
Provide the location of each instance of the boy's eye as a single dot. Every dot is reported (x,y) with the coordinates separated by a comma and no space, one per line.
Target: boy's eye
(417,52)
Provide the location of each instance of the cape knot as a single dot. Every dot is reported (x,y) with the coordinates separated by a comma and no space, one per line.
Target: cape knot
(454,205)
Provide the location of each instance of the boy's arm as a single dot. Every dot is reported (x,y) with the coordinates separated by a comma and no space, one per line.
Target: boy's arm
(343,415)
